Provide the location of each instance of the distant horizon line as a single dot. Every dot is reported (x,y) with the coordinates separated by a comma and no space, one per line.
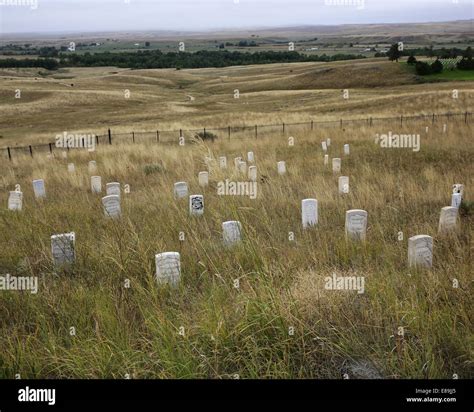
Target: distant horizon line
(236,29)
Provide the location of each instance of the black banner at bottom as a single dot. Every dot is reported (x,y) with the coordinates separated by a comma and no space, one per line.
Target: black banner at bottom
(52,395)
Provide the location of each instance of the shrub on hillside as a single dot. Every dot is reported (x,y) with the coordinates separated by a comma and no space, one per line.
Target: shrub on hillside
(422,68)
(411,60)
(437,67)
(466,64)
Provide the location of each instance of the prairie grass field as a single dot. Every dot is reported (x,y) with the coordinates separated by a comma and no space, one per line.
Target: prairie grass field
(258,309)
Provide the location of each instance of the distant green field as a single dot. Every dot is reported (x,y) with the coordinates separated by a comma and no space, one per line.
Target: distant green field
(447,74)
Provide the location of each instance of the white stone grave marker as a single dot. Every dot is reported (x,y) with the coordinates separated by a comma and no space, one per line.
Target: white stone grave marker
(38,188)
(168,268)
(243,167)
(456,200)
(92,166)
(237,160)
(203,179)
(326,160)
(281,167)
(113,188)
(111,205)
(324,146)
(347,149)
(250,157)
(336,165)
(231,232)
(356,224)
(309,212)
(223,162)
(447,219)
(180,190)
(71,168)
(420,251)
(15,200)
(96,184)
(253,173)
(343,184)
(63,248)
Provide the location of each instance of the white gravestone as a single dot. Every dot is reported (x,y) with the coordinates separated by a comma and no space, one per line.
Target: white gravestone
(168,268)
(63,248)
(223,162)
(237,160)
(326,160)
(38,188)
(96,184)
(231,232)
(111,205)
(309,212)
(324,146)
(343,184)
(71,168)
(92,166)
(180,190)
(356,224)
(113,188)
(281,168)
(253,173)
(458,188)
(243,167)
(420,251)
(347,149)
(447,219)
(196,205)
(456,200)
(328,142)
(250,157)
(336,165)
(203,178)
(15,200)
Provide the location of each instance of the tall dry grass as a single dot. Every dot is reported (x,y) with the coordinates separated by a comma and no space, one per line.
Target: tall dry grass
(243,331)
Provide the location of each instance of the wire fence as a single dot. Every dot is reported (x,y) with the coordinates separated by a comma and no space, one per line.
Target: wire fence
(231,132)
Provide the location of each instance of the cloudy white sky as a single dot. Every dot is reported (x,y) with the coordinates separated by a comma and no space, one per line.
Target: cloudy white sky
(26,16)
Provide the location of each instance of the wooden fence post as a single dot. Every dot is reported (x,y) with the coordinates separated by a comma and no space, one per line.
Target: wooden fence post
(228,129)
(158,136)
(9,153)
(133,137)
(311,125)
(110,137)
(31,151)
(256,131)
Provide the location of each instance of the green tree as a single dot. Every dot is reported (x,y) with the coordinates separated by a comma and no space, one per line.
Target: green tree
(394,53)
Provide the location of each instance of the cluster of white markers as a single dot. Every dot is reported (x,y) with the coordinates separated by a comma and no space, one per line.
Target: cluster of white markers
(168,264)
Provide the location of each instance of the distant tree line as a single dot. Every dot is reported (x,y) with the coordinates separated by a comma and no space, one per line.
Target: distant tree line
(49,64)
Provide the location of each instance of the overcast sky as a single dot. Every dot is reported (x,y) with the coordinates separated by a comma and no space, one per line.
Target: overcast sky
(126,15)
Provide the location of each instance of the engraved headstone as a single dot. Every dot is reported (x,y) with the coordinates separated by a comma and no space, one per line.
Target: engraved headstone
(243,167)
(180,190)
(168,268)
(336,165)
(203,179)
(281,167)
(356,224)
(343,184)
(237,160)
(328,142)
(15,200)
(250,157)
(309,212)
(231,232)
(196,205)
(71,168)
(38,188)
(63,248)
(326,160)
(253,173)
(112,188)
(447,219)
(324,146)
(347,149)
(420,251)
(111,205)
(96,184)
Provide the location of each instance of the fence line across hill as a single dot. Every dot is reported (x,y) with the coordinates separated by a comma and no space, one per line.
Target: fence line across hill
(233,132)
